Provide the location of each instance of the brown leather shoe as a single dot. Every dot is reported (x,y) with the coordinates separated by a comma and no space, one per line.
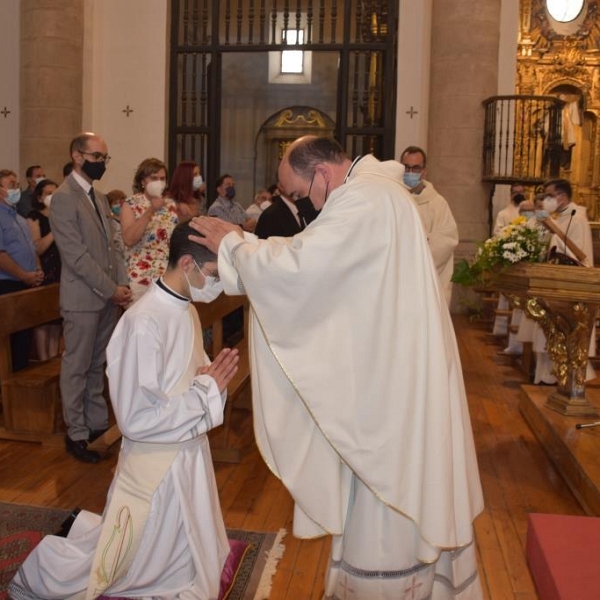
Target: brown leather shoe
(79,449)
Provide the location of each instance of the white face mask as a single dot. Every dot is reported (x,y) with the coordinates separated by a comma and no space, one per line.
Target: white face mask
(154,189)
(550,204)
(38,180)
(209,292)
(198,181)
(47,200)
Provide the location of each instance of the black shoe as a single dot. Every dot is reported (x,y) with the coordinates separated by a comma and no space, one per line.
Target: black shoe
(95,434)
(79,449)
(68,523)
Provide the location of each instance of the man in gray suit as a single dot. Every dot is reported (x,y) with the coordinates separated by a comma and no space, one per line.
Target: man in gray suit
(93,284)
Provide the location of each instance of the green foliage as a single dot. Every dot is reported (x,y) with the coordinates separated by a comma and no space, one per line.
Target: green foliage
(515,243)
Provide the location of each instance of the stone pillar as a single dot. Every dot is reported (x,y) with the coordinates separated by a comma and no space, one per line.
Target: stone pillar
(51,82)
(464,72)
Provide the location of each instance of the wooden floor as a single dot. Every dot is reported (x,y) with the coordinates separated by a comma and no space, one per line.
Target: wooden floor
(516,474)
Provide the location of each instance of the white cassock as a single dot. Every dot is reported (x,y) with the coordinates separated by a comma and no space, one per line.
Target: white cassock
(441,231)
(574,222)
(505,217)
(359,402)
(182,545)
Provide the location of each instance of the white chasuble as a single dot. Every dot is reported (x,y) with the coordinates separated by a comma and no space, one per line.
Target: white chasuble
(356,376)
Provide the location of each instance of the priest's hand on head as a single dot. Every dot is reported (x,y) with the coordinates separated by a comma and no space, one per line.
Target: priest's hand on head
(213,230)
(223,368)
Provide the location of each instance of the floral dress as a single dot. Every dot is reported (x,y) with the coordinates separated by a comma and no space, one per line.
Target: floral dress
(147,260)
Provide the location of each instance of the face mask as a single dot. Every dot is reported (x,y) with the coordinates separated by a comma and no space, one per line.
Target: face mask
(230,192)
(411,180)
(527,214)
(94,170)
(550,204)
(116,209)
(154,189)
(198,181)
(212,288)
(39,179)
(540,215)
(47,200)
(13,197)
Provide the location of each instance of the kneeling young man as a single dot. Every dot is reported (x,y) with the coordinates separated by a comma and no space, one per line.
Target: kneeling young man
(162,533)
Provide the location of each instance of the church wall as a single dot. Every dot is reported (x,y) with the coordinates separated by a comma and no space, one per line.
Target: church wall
(126,46)
(9,90)
(248,100)
(464,71)
(51,67)
(414,55)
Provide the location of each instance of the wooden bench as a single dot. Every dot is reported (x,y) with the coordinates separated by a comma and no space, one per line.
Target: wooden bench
(30,398)
(238,390)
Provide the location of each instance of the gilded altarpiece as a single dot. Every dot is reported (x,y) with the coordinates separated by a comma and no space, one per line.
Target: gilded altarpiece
(562,59)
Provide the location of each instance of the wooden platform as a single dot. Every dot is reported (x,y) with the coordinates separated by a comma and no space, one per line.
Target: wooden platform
(573,451)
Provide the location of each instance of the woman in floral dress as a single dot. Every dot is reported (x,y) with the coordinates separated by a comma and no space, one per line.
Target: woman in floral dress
(147,220)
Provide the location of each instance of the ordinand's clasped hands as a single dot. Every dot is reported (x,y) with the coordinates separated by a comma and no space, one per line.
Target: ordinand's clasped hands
(213,230)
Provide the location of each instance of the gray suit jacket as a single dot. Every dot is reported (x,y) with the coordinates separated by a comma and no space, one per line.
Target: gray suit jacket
(92,264)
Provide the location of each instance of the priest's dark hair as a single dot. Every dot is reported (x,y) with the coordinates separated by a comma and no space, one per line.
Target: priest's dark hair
(180,245)
(560,185)
(313,150)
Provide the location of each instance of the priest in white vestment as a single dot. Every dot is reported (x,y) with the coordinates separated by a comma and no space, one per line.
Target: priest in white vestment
(572,220)
(359,402)
(161,535)
(440,227)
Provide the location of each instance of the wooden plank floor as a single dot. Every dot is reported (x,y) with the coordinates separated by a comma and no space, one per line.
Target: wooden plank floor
(516,474)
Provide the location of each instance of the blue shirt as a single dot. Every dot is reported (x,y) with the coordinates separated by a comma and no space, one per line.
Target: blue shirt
(16,241)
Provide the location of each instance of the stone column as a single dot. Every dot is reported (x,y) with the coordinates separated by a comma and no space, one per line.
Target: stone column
(51,82)
(464,72)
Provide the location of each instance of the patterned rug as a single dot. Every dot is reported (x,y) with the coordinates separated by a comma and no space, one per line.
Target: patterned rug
(22,527)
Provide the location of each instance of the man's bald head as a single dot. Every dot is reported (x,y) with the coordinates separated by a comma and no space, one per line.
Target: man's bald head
(313,166)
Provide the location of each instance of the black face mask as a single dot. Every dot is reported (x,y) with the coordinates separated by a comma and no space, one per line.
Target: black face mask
(305,199)
(94,170)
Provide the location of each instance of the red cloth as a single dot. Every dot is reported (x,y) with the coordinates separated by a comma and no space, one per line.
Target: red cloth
(562,552)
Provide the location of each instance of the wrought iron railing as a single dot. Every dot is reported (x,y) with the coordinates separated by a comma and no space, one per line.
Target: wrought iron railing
(522,139)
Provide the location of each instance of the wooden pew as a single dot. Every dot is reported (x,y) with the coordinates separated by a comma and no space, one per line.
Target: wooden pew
(30,398)
(238,390)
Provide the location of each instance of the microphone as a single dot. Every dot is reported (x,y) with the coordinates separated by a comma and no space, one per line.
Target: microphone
(567,229)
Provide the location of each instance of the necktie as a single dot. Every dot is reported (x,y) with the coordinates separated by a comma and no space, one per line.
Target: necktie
(93,199)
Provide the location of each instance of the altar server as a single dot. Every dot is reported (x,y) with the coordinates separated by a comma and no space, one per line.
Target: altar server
(162,533)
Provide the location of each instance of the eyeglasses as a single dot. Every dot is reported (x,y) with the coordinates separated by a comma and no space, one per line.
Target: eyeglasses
(214,274)
(413,169)
(98,156)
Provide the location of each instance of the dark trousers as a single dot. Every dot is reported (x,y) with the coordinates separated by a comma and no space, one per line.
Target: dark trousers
(20,342)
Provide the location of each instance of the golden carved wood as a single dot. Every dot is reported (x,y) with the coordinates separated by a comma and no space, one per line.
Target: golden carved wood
(564,301)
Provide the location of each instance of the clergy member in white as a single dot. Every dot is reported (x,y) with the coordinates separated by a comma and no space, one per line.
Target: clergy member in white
(572,220)
(440,227)
(162,534)
(359,402)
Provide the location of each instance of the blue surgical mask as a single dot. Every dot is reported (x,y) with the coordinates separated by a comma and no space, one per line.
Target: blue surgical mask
(116,208)
(14,195)
(540,215)
(527,214)
(230,192)
(411,180)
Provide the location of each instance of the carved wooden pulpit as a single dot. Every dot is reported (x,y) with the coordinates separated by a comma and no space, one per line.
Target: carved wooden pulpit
(564,301)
